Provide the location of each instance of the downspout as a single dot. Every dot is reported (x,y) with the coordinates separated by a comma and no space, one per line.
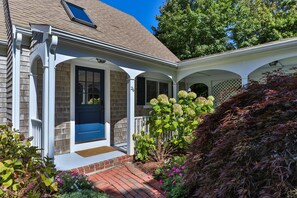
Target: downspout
(17,42)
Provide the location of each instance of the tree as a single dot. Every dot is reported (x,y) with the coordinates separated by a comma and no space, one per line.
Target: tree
(193,28)
(262,21)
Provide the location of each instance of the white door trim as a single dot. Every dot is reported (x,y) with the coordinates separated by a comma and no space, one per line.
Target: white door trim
(88,64)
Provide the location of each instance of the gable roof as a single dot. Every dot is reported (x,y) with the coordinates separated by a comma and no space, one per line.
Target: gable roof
(3,36)
(113,26)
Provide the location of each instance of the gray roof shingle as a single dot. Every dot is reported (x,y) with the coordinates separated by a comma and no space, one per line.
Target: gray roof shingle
(113,26)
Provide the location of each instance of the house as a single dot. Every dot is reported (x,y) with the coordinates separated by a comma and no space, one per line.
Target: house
(79,74)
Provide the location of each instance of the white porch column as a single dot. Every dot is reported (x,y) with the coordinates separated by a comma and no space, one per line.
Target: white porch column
(16,80)
(130,115)
(51,97)
(174,89)
(45,101)
(244,80)
(32,97)
(131,108)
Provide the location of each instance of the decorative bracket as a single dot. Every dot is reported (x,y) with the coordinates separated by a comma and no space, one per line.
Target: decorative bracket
(18,40)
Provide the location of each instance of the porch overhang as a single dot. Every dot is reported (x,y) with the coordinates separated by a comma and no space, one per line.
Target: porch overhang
(94,43)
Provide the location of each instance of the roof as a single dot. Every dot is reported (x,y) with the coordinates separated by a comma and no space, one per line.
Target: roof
(113,26)
(274,45)
(3,36)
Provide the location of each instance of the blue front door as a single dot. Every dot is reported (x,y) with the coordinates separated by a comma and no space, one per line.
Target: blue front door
(89,105)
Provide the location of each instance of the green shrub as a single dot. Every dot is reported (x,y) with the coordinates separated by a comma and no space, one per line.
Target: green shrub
(170,177)
(72,182)
(144,144)
(84,194)
(171,125)
(22,169)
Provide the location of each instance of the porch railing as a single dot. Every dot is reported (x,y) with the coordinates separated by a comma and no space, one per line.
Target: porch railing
(36,132)
(141,124)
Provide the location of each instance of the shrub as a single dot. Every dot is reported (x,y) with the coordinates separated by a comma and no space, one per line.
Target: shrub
(144,144)
(84,194)
(170,177)
(171,125)
(22,169)
(72,182)
(247,148)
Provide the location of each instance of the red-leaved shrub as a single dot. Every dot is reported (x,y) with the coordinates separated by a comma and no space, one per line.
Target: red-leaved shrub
(248,147)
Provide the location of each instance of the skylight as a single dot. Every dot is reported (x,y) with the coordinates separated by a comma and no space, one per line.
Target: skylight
(77,14)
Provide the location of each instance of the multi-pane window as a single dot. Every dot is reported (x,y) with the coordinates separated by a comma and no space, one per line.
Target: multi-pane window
(154,88)
(88,87)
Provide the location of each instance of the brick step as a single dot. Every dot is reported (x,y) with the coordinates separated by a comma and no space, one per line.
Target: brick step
(103,165)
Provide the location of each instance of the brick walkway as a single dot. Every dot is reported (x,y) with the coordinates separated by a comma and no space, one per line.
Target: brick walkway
(126,181)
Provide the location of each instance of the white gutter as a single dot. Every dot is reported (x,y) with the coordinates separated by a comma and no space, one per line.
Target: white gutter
(242,51)
(103,45)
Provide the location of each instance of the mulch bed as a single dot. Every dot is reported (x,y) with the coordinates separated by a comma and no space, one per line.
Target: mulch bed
(148,167)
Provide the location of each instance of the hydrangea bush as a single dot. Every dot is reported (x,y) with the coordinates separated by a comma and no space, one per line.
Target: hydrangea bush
(171,124)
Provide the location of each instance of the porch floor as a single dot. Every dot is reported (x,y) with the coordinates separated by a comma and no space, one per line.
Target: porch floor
(121,147)
(126,181)
(72,160)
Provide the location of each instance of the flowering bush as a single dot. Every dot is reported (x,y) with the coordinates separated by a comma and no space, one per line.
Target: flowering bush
(171,125)
(170,177)
(72,182)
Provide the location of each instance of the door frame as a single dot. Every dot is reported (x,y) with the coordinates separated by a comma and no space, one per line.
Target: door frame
(102,99)
(106,68)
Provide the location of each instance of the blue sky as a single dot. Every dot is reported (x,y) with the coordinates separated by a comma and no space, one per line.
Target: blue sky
(143,10)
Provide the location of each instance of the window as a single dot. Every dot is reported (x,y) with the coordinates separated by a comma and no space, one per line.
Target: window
(155,88)
(149,88)
(88,87)
(78,14)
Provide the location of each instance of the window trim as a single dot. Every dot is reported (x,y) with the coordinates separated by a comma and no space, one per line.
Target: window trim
(158,88)
(73,18)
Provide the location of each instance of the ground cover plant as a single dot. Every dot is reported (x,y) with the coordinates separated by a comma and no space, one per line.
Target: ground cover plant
(170,176)
(247,148)
(84,194)
(171,125)
(69,182)
(75,185)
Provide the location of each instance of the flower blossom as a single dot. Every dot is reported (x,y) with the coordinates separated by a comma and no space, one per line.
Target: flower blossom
(200,100)
(177,109)
(211,98)
(163,99)
(192,95)
(182,94)
(154,101)
(172,100)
